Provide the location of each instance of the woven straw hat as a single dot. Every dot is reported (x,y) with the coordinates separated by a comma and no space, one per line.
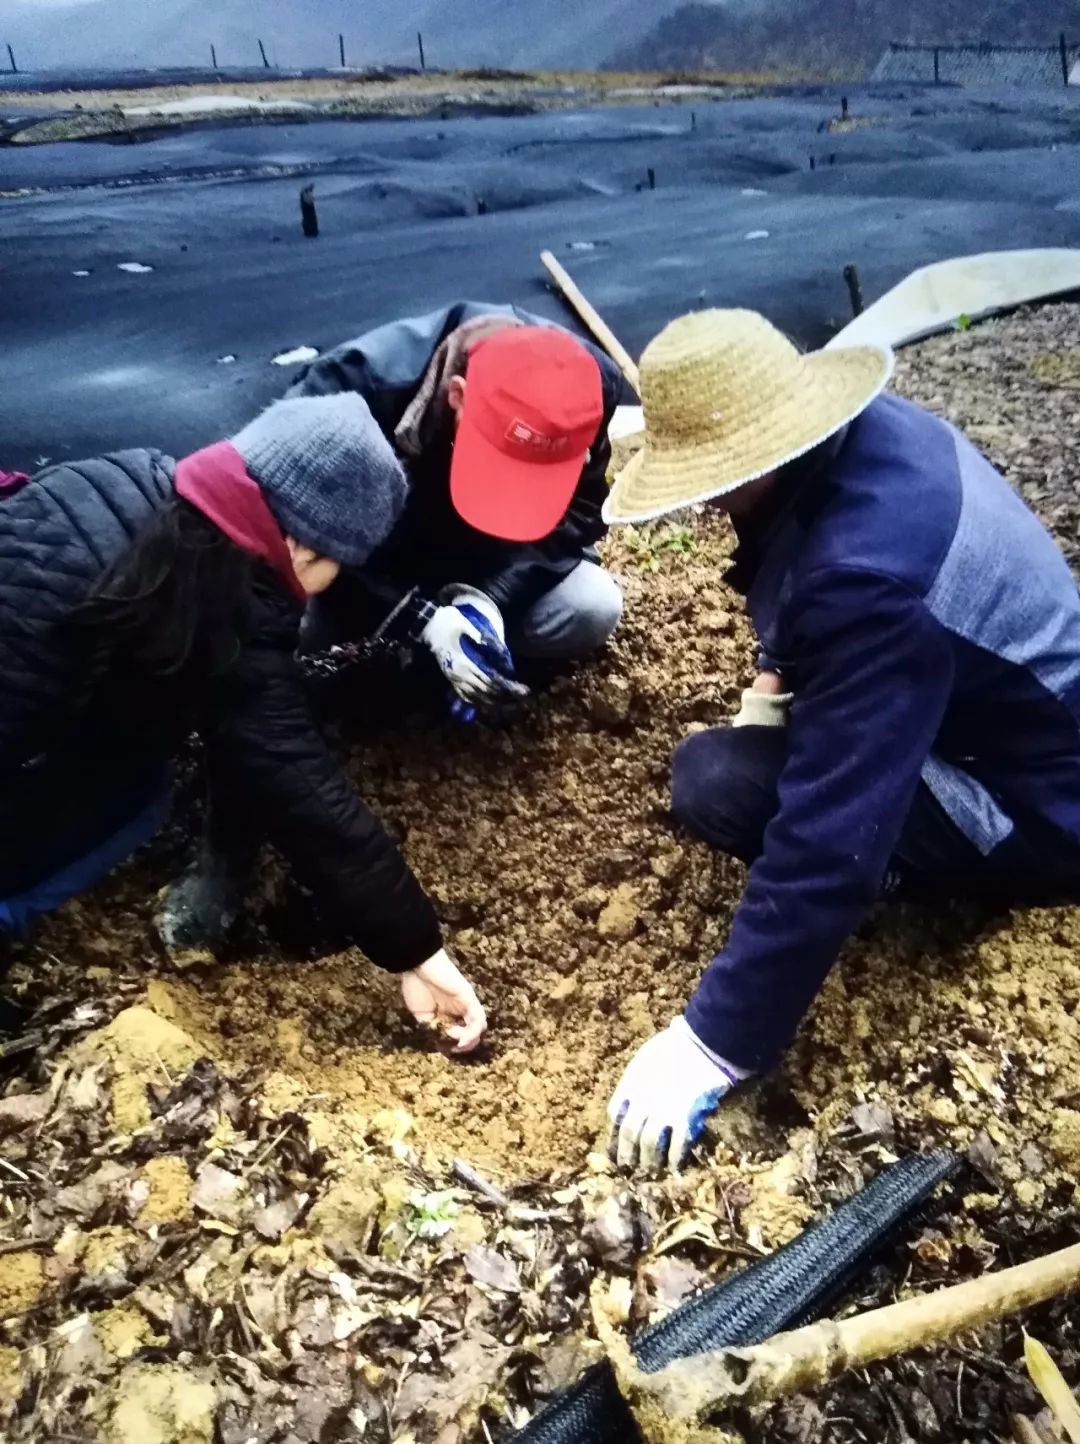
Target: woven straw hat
(727,399)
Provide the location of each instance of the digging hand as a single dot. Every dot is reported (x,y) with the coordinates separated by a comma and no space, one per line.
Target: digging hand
(669,1088)
(439,995)
(196,911)
(765,704)
(468,640)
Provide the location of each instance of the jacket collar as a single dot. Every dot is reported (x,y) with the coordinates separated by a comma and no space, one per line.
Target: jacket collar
(799,495)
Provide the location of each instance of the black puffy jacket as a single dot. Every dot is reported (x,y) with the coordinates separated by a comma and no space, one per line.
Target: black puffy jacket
(431,545)
(78,727)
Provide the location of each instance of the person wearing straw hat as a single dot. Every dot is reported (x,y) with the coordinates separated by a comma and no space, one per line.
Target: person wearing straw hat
(916,724)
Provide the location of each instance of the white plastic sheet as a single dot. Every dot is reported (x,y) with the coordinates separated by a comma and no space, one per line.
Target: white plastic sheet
(935,298)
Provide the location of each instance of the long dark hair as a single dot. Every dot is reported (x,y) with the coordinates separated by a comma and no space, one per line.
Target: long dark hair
(180,596)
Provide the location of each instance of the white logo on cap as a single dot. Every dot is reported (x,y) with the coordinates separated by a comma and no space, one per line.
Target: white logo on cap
(526,435)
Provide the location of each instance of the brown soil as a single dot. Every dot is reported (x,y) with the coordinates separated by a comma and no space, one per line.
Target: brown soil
(446,94)
(585,922)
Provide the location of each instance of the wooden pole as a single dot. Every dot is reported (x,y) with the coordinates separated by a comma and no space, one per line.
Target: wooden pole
(341,49)
(937,66)
(1064,58)
(262,52)
(213,55)
(11,57)
(854,285)
(652,179)
(806,1358)
(309,218)
(420,43)
(571,293)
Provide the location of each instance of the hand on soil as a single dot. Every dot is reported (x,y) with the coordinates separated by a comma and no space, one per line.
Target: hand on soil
(438,995)
(658,1111)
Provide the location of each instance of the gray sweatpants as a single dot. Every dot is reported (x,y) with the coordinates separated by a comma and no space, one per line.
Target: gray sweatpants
(573,620)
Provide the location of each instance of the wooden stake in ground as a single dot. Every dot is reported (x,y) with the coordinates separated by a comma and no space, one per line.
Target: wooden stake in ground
(569,290)
(309,219)
(262,52)
(804,1359)
(11,57)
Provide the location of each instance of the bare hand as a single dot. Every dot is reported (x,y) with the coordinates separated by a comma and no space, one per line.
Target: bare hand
(771,683)
(439,995)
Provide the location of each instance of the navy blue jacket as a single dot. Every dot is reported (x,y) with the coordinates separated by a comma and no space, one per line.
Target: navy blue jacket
(929,628)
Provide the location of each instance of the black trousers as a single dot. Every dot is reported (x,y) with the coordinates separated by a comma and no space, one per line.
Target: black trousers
(724,790)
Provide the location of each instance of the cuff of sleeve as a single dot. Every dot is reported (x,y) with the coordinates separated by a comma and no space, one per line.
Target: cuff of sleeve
(402,954)
(763,709)
(734,1072)
(737,1051)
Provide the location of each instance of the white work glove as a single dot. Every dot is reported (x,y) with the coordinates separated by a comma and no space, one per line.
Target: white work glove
(450,627)
(439,995)
(670,1086)
(763,709)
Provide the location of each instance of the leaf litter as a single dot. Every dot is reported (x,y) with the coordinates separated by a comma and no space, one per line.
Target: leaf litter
(215,1227)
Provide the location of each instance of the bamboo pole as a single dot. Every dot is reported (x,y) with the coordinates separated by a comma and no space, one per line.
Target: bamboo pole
(571,292)
(806,1358)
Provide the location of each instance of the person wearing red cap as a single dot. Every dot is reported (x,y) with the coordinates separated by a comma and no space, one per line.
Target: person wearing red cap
(500,419)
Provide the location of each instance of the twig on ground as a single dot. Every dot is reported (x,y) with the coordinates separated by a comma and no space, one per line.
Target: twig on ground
(23,1245)
(466,1174)
(269,1148)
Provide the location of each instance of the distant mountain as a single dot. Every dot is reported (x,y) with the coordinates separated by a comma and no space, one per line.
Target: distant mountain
(817,35)
(457,33)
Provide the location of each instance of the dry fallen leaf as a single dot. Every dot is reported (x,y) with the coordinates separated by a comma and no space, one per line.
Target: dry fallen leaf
(488,1266)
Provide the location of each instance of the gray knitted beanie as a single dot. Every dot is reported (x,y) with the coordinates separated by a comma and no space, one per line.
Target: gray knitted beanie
(328,474)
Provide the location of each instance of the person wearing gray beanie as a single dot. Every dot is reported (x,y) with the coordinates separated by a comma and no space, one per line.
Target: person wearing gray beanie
(328,474)
(143,599)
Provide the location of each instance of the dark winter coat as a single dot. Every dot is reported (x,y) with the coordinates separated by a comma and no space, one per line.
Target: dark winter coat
(431,546)
(80,731)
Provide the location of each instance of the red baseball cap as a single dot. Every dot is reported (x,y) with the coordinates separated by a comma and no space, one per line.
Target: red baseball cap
(533,405)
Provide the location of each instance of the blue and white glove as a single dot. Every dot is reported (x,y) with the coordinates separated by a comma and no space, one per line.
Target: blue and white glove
(468,640)
(670,1086)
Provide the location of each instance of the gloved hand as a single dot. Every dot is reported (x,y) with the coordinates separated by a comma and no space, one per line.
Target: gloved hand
(669,1088)
(196,911)
(765,704)
(468,640)
(437,993)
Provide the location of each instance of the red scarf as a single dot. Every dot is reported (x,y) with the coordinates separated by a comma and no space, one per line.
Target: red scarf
(217,482)
(12,481)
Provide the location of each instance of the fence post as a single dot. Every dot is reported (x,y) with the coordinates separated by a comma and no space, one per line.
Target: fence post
(420,42)
(851,276)
(11,57)
(309,220)
(213,54)
(341,49)
(1064,58)
(262,52)
(937,66)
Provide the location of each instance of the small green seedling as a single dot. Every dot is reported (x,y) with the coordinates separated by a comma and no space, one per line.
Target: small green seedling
(963,322)
(431,1215)
(650,542)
